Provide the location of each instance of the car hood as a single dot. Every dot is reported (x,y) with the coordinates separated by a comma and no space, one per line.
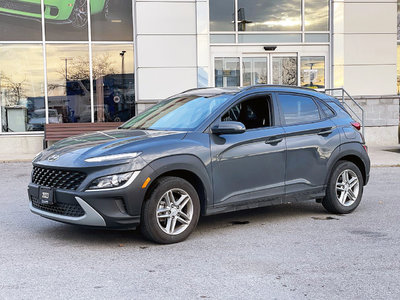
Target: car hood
(72,151)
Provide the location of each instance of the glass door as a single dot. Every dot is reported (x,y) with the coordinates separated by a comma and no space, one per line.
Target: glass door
(284,69)
(270,69)
(254,70)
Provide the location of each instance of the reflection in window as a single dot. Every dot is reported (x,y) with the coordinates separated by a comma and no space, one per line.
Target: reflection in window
(269,15)
(298,109)
(254,70)
(20,21)
(22,92)
(312,72)
(222,15)
(181,112)
(68,81)
(227,71)
(316,15)
(113,21)
(284,70)
(66,21)
(114,84)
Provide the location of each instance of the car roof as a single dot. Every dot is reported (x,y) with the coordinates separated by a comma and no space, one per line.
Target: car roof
(216,91)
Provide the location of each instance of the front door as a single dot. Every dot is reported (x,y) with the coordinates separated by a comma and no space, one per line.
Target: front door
(279,69)
(249,167)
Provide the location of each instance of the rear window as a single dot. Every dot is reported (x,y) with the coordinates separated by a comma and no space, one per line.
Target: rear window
(298,109)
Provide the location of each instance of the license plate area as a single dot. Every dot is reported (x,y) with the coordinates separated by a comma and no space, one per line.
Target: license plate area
(46,195)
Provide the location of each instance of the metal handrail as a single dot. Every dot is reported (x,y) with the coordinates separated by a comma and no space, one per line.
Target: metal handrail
(342,100)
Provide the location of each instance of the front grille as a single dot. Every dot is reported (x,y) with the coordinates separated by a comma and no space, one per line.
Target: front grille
(61,179)
(64,209)
(21,6)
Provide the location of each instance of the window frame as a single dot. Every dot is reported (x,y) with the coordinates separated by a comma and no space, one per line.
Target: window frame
(320,103)
(274,111)
(281,113)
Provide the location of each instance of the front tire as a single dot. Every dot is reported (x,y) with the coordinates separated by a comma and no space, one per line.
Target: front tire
(345,188)
(171,211)
(79,17)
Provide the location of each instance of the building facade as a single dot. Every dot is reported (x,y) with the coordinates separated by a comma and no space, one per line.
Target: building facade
(79,61)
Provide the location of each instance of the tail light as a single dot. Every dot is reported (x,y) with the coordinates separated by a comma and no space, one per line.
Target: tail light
(356,125)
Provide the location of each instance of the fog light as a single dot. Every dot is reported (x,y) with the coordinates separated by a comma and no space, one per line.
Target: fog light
(111,181)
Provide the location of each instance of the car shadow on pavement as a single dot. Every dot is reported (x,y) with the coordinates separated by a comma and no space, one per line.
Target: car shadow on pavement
(217,224)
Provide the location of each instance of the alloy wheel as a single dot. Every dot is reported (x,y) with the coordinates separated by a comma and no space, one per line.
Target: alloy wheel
(174,211)
(347,187)
(80,17)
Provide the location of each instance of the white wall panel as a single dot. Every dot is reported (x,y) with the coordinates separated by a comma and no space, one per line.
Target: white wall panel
(370,49)
(166,50)
(370,79)
(166,17)
(370,17)
(159,83)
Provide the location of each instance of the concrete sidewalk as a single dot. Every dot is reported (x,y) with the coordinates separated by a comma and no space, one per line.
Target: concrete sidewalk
(384,156)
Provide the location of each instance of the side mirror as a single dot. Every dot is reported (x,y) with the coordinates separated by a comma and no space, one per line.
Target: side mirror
(228,127)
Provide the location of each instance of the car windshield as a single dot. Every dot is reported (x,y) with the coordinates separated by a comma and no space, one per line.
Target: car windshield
(181,112)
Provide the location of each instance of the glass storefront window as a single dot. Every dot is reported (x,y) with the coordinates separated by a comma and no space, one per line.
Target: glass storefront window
(227,71)
(22,92)
(113,82)
(20,21)
(66,20)
(284,70)
(254,70)
(222,15)
(68,80)
(316,15)
(269,15)
(111,21)
(312,72)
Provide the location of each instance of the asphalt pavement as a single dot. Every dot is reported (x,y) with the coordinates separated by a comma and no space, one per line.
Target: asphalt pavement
(292,251)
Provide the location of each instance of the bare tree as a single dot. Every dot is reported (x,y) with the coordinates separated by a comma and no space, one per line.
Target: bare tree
(14,89)
(78,68)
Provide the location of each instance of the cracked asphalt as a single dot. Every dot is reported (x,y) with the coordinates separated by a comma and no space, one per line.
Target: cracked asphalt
(294,251)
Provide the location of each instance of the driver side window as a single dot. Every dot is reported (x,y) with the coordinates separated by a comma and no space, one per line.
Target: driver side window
(254,112)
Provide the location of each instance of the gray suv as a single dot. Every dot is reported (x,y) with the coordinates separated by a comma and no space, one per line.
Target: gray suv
(203,152)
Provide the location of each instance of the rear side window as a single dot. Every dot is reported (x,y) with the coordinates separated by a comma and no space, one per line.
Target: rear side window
(325,108)
(297,109)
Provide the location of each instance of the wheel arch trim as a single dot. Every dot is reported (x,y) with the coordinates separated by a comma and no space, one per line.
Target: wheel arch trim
(352,152)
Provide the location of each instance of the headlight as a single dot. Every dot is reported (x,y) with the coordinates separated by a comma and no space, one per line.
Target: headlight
(111,181)
(37,156)
(113,157)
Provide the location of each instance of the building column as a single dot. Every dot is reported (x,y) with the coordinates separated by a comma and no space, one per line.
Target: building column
(166,45)
(364,63)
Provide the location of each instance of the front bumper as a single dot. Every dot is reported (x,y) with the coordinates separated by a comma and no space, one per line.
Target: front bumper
(90,217)
(112,208)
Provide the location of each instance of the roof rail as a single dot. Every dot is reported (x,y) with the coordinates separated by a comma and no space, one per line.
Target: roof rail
(193,89)
(277,85)
(342,98)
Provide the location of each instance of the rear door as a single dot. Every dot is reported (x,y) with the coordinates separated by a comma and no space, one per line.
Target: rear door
(311,138)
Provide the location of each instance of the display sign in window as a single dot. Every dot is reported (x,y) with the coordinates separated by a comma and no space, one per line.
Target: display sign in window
(312,72)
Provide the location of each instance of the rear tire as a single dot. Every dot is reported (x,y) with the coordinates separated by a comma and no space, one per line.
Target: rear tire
(345,188)
(171,211)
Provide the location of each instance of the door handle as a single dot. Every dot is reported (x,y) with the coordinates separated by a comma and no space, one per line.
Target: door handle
(273,140)
(325,131)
